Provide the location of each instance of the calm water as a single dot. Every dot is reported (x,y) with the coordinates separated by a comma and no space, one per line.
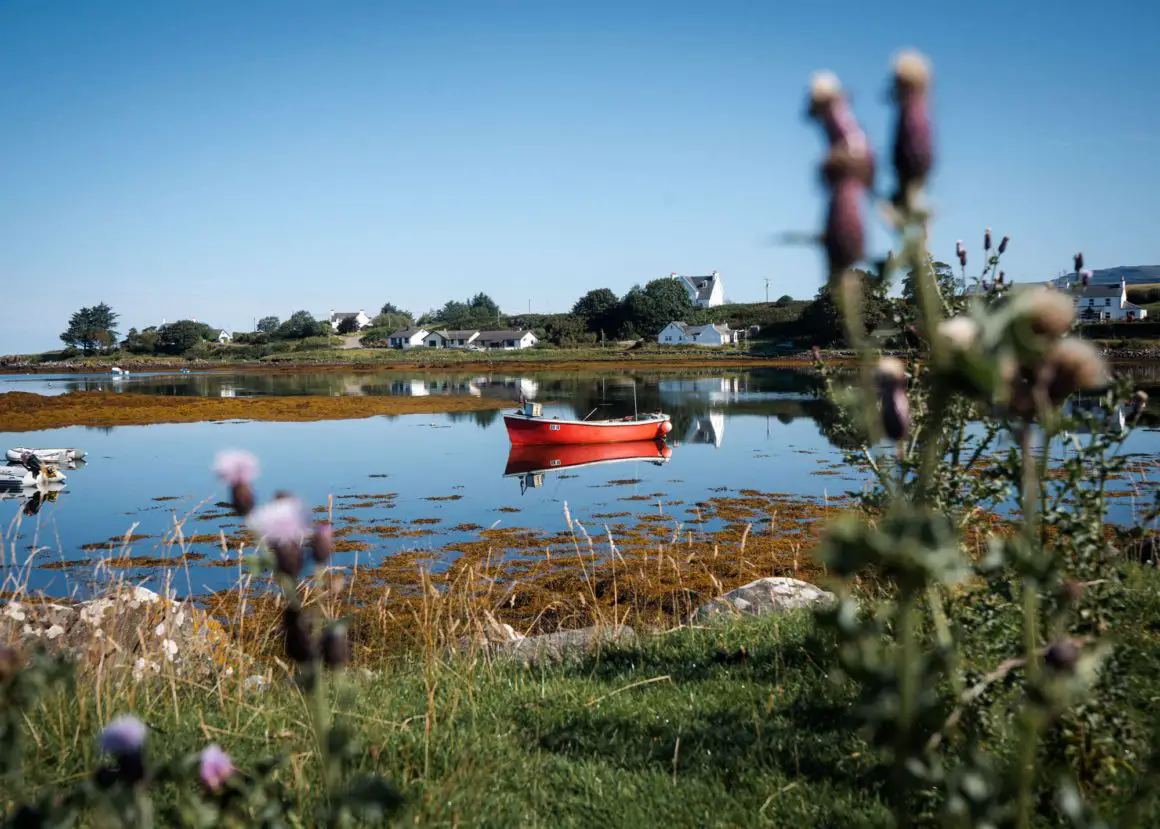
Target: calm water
(761,429)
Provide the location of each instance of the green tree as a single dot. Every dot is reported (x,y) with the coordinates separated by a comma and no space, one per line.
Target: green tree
(645,311)
(391,308)
(483,305)
(599,310)
(301,325)
(268,325)
(783,300)
(950,286)
(144,342)
(179,337)
(348,325)
(91,328)
(822,319)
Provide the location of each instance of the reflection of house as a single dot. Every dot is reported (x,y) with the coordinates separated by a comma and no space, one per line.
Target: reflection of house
(409,388)
(715,389)
(506,339)
(1107,302)
(709,429)
(407,338)
(703,291)
(359,316)
(681,333)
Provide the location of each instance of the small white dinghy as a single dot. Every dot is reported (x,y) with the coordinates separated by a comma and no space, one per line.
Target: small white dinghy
(61,457)
(47,478)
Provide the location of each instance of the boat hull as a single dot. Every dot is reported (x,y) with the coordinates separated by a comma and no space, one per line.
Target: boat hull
(57,456)
(539,431)
(550,458)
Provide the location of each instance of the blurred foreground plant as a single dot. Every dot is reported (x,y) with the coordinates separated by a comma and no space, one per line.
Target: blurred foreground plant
(205,789)
(988,370)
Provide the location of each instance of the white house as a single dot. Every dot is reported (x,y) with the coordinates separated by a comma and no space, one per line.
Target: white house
(222,336)
(360,317)
(680,333)
(408,338)
(445,338)
(506,339)
(1107,302)
(703,291)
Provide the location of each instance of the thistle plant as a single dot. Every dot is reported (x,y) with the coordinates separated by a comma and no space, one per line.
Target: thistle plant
(203,789)
(954,436)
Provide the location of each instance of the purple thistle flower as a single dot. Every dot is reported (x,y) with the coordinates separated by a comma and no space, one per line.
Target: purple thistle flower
(963,257)
(986,285)
(1078,262)
(215,767)
(1003,244)
(1000,278)
(1086,278)
(280,522)
(123,737)
(236,467)
(987,239)
(913,140)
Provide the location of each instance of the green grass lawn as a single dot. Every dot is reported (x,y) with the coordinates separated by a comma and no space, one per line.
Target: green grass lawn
(733,725)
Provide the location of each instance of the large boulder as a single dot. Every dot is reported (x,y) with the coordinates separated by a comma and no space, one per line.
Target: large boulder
(775,594)
(564,645)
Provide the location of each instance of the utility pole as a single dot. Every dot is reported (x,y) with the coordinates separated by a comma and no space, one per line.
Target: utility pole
(767,289)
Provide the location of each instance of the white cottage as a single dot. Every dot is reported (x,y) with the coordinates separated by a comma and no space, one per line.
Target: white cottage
(703,291)
(681,333)
(360,317)
(408,338)
(517,338)
(1107,302)
(451,338)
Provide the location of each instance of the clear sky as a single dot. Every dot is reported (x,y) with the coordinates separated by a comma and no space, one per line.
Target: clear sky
(226,160)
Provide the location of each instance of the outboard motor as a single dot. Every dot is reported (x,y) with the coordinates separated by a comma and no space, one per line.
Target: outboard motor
(31,463)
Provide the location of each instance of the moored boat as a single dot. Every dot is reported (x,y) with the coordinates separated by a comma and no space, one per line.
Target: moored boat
(45,478)
(57,456)
(530,428)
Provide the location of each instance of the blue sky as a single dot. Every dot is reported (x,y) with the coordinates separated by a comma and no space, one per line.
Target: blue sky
(227,160)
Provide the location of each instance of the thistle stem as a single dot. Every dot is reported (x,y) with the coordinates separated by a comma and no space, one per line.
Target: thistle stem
(1030,739)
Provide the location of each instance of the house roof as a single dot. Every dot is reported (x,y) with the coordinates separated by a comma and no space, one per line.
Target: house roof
(694,330)
(702,285)
(339,315)
(492,336)
(1101,291)
(217,332)
(407,333)
(457,334)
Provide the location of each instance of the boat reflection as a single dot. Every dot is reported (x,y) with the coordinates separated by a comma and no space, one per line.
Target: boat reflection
(530,463)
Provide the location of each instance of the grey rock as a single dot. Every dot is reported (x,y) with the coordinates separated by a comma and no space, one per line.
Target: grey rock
(564,645)
(775,594)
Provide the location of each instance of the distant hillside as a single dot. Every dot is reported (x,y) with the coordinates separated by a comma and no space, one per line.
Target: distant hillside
(1132,274)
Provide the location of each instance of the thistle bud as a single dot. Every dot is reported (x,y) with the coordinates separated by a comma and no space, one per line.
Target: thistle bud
(322,543)
(987,239)
(999,279)
(335,646)
(963,257)
(1006,240)
(1062,656)
(1073,365)
(959,247)
(986,286)
(829,106)
(913,140)
(1086,278)
(1078,262)
(1050,312)
(844,237)
(300,645)
(891,376)
(242,499)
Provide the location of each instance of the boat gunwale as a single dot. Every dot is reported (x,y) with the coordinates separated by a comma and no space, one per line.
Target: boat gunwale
(656,418)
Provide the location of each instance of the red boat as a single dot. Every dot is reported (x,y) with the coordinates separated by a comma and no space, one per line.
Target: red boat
(524,459)
(530,428)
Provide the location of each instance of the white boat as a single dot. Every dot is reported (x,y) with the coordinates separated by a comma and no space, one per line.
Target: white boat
(57,456)
(47,477)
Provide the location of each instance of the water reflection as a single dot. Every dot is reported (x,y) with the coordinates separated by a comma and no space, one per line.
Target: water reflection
(530,463)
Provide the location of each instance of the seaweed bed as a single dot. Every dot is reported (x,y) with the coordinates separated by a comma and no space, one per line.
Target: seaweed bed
(25,412)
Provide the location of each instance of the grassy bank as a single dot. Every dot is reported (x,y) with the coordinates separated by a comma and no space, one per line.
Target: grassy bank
(736,724)
(23,412)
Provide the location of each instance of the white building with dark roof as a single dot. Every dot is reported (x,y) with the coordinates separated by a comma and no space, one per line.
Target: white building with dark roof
(704,291)
(1106,302)
(681,333)
(359,316)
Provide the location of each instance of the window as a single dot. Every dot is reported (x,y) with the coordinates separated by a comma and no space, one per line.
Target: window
(1108,301)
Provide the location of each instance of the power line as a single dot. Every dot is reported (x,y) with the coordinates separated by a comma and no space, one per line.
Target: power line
(767,289)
